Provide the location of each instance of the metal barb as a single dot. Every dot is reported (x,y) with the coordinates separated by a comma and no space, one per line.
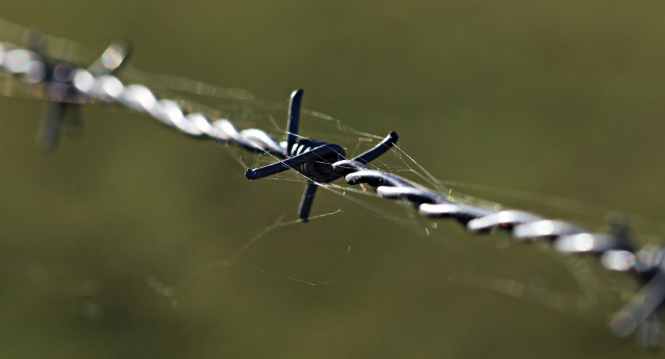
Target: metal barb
(61,78)
(294,119)
(313,159)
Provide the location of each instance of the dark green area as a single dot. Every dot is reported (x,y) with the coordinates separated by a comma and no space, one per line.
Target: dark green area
(560,98)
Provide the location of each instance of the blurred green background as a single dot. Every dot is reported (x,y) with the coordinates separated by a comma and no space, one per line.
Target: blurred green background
(114,245)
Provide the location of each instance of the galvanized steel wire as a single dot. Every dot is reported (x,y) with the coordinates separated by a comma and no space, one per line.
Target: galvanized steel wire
(616,248)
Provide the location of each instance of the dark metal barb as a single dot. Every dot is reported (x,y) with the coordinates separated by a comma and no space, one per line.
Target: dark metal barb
(307,201)
(289,163)
(294,119)
(314,159)
(60,77)
(384,146)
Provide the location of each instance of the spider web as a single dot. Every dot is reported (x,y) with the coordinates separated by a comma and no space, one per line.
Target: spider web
(594,294)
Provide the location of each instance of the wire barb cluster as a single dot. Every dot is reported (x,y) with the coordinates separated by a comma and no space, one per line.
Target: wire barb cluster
(314,159)
(64,83)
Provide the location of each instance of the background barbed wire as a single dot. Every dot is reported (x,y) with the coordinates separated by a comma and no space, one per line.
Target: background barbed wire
(559,99)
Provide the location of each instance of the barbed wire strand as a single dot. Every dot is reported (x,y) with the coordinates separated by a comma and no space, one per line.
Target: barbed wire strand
(65,84)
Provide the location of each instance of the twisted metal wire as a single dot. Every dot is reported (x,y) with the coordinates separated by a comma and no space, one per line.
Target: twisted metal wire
(615,249)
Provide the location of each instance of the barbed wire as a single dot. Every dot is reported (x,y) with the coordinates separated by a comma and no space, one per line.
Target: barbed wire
(67,86)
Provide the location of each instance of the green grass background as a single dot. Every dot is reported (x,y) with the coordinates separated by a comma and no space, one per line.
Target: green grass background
(561,98)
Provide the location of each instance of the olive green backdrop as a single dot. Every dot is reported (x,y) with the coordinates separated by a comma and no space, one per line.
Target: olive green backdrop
(560,98)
